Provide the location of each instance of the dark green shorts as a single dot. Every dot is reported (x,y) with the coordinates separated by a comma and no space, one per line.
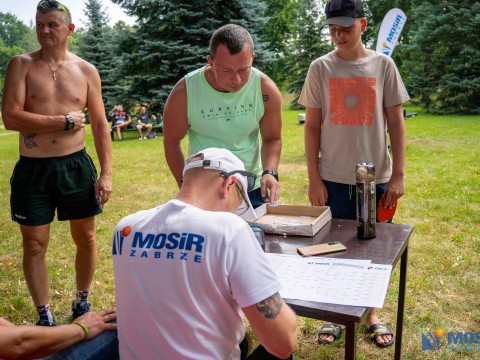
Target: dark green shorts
(41,185)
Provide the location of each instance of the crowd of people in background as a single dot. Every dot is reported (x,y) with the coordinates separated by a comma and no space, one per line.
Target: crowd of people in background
(121,121)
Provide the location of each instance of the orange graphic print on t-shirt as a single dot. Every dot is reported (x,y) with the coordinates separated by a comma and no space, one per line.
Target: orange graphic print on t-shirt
(352,101)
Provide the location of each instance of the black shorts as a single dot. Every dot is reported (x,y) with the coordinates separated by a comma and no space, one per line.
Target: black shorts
(41,185)
(342,199)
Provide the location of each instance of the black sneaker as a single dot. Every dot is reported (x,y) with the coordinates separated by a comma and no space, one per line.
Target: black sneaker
(81,309)
(45,322)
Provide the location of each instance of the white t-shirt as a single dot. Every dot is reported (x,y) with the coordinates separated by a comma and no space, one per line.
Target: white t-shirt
(353,96)
(182,275)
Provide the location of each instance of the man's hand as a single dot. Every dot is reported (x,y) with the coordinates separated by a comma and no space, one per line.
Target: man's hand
(317,192)
(78,118)
(394,191)
(98,322)
(268,182)
(103,189)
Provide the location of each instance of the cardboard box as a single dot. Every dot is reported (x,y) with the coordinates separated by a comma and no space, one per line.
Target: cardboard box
(291,219)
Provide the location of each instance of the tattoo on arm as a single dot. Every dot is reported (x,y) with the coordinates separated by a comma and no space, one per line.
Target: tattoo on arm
(265,97)
(270,307)
(29,140)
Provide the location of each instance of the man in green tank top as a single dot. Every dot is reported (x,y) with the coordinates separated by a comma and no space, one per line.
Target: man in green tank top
(228,104)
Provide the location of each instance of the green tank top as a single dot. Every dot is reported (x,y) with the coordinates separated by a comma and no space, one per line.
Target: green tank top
(226,120)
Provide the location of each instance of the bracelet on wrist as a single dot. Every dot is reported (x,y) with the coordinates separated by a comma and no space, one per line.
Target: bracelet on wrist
(84,328)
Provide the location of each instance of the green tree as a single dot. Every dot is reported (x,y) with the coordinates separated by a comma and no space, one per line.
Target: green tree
(12,30)
(75,40)
(276,34)
(120,83)
(442,56)
(15,38)
(172,39)
(99,46)
(308,43)
(375,10)
(6,53)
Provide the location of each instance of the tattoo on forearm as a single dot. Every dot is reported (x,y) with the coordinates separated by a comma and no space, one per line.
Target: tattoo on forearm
(270,307)
(29,140)
(265,97)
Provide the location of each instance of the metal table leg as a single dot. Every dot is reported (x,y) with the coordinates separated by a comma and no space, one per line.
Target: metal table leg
(351,340)
(401,304)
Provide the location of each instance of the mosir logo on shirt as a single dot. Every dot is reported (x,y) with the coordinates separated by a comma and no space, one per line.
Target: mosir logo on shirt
(352,101)
(171,246)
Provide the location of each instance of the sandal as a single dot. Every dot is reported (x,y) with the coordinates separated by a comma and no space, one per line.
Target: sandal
(377,330)
(330,329)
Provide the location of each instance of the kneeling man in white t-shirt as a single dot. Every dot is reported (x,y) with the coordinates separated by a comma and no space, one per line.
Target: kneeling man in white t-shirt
(187,271)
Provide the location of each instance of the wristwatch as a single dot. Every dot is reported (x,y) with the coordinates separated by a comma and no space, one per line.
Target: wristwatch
(274,173)
(70,124)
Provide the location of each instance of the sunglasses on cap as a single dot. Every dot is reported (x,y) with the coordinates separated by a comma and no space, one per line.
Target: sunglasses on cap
(250,177)
(45,6)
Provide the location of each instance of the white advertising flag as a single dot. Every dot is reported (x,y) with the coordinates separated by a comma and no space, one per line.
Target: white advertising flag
(390,31)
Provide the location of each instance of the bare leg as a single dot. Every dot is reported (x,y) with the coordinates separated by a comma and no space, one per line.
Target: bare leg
(149,129)
(35,243)
(83,233)
(119,127)
(373,319)
(117,130)
(139,130)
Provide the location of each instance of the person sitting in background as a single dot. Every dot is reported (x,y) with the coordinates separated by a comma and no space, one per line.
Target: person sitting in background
(89,337)
(214,272)
(120,119)
(144,122)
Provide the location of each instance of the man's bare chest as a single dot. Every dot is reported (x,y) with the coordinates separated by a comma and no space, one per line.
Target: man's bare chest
(67,88)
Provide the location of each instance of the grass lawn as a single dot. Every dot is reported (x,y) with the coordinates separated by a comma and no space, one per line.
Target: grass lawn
(442,202)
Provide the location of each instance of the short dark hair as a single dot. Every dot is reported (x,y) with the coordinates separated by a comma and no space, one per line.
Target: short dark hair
(47,6)
(233,36)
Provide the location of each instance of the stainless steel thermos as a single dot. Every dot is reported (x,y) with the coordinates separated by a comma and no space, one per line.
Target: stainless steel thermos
(366,201)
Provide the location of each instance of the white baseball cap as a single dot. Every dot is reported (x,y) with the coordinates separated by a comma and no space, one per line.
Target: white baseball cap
(227,164)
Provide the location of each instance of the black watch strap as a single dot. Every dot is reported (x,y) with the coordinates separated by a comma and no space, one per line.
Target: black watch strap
(274,173)
(69,123)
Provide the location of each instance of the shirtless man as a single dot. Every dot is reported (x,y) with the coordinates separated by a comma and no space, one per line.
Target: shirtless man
(45,94)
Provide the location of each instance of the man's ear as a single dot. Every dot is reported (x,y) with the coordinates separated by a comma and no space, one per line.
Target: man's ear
(363,22)
(71,29)
(210,60)
(228,185)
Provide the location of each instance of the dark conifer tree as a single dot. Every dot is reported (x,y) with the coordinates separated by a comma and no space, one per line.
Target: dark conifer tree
(277,35)
(308,43)
(99,46)
(442,65)
(172,39)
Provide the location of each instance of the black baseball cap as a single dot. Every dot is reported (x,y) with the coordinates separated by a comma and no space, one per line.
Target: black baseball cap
(343,12)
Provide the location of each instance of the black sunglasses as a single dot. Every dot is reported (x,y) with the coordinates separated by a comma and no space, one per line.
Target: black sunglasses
(250,177)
